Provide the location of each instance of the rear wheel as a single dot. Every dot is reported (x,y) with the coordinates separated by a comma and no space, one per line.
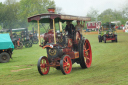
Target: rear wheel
(43,69)
(104,39)
(100,39)
(18,45)
(115,38)
(28,44)
(35,41)
(4,57)
(85,54)
(66,64)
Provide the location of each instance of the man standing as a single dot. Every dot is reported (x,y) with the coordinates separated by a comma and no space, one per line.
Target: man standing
(79,27)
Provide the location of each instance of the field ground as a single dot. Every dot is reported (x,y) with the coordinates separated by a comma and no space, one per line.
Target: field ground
(109,66)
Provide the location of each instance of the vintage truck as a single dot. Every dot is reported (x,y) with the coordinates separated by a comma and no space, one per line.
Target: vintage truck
(6,48)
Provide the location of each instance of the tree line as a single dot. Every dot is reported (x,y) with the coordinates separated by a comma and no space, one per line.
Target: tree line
(14,14)
(109,15)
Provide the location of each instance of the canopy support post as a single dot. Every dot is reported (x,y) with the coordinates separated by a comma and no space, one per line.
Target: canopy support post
(54,31)
(38,32)
(60,24)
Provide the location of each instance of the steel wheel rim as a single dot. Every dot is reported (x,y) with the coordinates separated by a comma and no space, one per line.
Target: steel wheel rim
(67,64)
(44,69)
(87,54)
(4,57)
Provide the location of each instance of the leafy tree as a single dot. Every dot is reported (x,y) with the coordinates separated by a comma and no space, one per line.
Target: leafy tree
(9,13)
(93,13)
(33,7)
(14,14)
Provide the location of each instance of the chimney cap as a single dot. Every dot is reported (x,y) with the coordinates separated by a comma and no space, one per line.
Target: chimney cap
(51,10)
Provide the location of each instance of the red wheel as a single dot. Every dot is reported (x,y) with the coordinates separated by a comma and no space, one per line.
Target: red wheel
(66,64)
(42,65)
(85,54)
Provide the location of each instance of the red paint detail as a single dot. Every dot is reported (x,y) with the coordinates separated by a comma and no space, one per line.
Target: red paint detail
(43,63)
(67,50)
(88,57)
(71,54)
(110,38)
(93,25)
(49,37)
(47,46)
(51,10)
(70,43)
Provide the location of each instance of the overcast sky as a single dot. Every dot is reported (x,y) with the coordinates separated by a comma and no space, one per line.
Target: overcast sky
(81,7)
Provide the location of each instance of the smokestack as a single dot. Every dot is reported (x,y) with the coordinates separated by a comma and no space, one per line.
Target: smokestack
(51,10)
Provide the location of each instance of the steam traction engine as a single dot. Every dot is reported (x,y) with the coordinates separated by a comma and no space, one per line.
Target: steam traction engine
(62,50)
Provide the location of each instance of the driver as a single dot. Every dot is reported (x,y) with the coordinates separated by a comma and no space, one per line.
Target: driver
(69,28)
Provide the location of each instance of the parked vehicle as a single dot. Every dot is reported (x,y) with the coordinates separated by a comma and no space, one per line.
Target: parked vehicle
(6,48)
(33,36)
(16,41)
(20,39)
(93,26)
(107,32)
(62,49)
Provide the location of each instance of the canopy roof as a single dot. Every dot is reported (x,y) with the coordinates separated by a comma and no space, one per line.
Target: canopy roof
(107,24)
(18,29)
(45,18)
(5,42)
(4,30)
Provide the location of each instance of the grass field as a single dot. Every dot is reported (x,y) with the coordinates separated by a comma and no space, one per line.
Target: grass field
(109,66)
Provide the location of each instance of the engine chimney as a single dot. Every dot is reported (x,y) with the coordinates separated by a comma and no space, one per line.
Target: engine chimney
(51,10)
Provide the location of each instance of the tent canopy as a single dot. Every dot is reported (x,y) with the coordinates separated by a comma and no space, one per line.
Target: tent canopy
(5,42)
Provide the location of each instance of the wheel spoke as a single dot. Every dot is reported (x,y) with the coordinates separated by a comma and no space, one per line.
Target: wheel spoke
(87,50)
(44,69)
(43,61)
(87,58)
(67,60)
(66,69)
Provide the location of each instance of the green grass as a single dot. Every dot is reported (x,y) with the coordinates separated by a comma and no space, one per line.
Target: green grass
(109,66)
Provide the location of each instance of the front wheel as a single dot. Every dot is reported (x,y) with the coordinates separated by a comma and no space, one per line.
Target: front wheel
(115,38)
(35,41)
(18,45)
(4,57)
(43,69)
(66,64)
